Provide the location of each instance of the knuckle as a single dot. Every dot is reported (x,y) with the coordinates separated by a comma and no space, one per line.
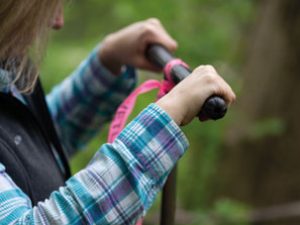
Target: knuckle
(210,77)
(154,21)
(199,69)
(209,67)
(206,69)
(233,97)
(150,26)
(148,29)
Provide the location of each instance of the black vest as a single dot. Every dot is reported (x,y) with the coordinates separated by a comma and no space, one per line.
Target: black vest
(27,139)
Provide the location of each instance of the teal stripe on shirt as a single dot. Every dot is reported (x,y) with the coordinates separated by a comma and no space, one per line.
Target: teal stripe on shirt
(123,178)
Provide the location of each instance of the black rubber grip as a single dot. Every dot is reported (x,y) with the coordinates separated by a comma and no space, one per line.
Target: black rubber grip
(214,107)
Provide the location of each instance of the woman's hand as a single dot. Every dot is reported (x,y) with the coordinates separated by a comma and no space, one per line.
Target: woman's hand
(185,100)
(128,46)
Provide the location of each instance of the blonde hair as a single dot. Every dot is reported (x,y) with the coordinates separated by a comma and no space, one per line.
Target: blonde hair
(23,31)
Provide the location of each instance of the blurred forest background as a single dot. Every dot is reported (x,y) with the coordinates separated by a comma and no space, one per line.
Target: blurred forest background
(240,170)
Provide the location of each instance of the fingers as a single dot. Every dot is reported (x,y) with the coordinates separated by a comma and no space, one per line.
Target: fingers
(216,83)
(128,46)
(145,64)
(153,32)
(156,33)
(185,100)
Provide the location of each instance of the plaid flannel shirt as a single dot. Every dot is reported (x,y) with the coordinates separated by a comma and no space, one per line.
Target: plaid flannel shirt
(120,183)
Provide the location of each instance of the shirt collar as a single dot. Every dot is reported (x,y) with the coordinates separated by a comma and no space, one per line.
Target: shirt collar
(5,80)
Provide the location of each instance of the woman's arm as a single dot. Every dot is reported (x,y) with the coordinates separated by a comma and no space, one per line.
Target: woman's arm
(84,101)
(88,98)
(118,185)
(122,180)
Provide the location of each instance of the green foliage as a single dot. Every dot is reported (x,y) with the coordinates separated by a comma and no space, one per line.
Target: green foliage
(208,32)
(266,127)
(225,212)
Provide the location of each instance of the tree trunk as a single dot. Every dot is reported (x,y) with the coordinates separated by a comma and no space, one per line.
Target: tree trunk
(261,163)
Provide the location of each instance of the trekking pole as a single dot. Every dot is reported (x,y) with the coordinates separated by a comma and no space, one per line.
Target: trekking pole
(214,108)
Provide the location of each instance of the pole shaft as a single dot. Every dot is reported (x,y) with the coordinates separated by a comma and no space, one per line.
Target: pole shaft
(168,204)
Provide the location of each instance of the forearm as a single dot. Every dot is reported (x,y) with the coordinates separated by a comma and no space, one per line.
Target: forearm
(83,102)
(120,183)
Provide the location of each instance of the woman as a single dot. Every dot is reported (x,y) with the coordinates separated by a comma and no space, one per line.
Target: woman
(123,178)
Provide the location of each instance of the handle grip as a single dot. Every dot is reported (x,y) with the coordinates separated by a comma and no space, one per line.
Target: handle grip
(214,107)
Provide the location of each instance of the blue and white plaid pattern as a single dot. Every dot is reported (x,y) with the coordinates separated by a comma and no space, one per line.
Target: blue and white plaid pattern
(86,100)
(123,178)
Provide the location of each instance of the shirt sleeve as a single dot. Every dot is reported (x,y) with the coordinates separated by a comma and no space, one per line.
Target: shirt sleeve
(84,101)
(117,187)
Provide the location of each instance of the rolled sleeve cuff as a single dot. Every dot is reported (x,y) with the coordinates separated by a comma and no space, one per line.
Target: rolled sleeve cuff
(101,79)
(155,140)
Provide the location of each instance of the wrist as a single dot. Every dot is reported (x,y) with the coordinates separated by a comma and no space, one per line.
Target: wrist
(172,108)
(108,58)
